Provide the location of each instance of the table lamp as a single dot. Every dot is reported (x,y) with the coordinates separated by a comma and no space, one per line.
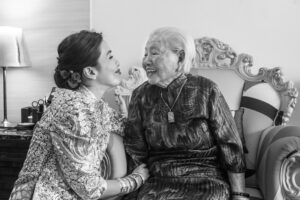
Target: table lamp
(12,54)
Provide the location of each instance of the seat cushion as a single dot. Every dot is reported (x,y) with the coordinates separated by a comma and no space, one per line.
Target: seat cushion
(255,194)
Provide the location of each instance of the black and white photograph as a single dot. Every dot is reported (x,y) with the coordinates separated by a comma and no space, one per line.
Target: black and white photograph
(149,99)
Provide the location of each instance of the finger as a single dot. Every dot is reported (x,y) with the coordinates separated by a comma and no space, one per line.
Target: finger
(143,165)
(121,99)
(117,99)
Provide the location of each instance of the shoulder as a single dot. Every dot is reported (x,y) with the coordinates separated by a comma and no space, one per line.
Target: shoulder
(200,82)
(142,90)
(73,114)
(204,89)
(68,101)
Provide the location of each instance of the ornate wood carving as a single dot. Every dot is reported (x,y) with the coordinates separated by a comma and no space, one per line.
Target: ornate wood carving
(288,172)
(214,54)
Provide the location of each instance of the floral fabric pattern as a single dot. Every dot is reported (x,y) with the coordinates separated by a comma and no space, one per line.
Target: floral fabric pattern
(67,147)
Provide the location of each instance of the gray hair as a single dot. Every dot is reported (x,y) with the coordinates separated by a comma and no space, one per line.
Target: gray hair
(177,40)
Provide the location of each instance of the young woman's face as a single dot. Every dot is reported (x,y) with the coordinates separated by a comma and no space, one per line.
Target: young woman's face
(159,61)
(108,67)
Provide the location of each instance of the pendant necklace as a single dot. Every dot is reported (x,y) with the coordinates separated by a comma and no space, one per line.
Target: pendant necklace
(171,117)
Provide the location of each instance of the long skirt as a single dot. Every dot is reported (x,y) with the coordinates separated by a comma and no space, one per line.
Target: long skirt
(184,188)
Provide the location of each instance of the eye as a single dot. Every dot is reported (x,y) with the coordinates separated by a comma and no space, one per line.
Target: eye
(110,57)
(221,56)
(154,53)
(145,55)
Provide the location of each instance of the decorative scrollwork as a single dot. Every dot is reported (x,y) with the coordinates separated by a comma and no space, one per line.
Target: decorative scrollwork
(289,171)
(214,54)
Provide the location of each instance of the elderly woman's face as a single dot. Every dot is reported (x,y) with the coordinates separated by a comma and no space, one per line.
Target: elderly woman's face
(159,61)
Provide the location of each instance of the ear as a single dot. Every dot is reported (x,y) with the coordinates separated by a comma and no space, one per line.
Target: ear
(181,56)
(90,73)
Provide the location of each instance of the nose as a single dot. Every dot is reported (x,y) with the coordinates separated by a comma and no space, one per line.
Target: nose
(117,63)
(146,62)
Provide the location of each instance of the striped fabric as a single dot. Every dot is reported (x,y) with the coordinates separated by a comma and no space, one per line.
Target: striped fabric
(187,159)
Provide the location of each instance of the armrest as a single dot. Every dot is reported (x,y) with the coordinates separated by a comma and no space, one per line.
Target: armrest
(273,134)
(278,170)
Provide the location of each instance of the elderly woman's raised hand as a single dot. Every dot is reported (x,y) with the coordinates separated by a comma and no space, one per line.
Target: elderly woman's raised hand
(121,103)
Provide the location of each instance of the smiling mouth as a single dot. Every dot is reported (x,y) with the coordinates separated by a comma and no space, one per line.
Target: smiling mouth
(150,71)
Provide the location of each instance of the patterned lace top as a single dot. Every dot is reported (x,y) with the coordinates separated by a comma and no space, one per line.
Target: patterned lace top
(67,147)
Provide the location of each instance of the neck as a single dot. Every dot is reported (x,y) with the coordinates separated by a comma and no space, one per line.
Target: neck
(97,90)
(166,83)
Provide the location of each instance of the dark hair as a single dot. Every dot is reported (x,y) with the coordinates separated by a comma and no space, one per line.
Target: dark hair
(76,52)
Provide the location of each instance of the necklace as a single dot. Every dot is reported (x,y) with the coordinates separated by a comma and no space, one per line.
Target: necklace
(171,117)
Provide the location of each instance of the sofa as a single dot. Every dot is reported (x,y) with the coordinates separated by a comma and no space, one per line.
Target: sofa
(262,104)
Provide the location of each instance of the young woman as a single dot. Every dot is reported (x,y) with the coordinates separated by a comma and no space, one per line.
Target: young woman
(69,143)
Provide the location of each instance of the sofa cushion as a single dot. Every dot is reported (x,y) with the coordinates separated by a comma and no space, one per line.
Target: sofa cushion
(254,193)
(257,119)
(238,119)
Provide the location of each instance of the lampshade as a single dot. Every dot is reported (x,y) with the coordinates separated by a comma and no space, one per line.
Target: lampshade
(13,52)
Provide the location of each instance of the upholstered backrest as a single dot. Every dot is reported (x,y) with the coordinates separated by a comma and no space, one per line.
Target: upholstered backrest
(265,97)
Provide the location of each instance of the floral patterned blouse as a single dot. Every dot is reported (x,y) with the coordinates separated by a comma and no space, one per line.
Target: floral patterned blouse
(67,147)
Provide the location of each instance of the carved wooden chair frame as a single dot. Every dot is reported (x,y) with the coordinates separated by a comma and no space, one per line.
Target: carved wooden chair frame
(214,54)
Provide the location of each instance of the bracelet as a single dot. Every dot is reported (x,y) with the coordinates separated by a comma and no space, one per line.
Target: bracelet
(242,194)
(128,184)
(124,189)
(132,183)
(143,180)
(138,179)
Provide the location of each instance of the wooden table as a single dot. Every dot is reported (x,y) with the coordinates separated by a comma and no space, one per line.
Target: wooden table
(14,145)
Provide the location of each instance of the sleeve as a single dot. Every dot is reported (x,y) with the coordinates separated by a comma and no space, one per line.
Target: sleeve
(135,143)
(77,154)
(116,122)
(36,157)
(134,140)
(225,132)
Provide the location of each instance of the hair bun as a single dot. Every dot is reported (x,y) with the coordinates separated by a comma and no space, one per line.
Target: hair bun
(65,74)
(76,52)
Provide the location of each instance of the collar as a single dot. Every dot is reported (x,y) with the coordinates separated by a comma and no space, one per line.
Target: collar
(177,82)
(88,94)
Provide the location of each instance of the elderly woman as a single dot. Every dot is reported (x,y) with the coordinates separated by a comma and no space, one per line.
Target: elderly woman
(181,126)
(68,145)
